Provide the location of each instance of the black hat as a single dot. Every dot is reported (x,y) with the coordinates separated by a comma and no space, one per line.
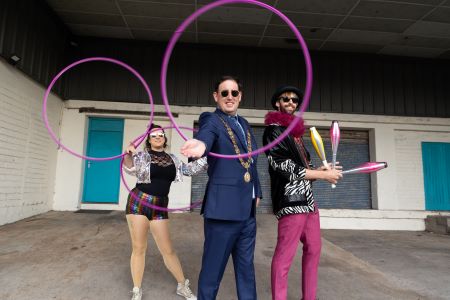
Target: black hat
(283,89)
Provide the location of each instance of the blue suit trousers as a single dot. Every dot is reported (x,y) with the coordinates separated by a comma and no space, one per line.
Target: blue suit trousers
(223,238)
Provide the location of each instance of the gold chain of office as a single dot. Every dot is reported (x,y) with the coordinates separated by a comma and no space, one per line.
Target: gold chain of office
(245,164)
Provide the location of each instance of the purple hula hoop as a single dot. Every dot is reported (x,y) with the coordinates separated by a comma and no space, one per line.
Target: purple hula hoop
(194,16)
(47,92)
(194,204)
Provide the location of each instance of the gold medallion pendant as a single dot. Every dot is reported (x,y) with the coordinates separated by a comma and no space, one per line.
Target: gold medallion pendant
(247,177)
(245,164)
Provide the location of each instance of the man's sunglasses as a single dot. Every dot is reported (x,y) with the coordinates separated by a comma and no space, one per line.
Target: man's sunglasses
(234,93)
(159,134)
(295,100)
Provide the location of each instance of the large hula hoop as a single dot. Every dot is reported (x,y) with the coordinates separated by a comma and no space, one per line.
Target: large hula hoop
(52,83)
(309,75)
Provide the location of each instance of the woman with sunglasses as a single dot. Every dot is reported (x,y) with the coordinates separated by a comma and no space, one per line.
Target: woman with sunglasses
(155,171)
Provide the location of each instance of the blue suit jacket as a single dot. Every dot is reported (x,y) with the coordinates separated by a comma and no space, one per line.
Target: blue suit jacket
(227,195)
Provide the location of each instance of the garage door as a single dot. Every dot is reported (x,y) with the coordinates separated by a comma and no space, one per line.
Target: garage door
(353,192)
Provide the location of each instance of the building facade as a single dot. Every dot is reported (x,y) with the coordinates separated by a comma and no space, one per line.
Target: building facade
(390,108)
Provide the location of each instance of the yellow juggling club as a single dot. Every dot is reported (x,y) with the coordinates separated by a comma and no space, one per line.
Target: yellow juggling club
(317,142)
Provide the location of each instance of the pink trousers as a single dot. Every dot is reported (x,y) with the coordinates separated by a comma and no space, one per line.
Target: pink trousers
(292,229)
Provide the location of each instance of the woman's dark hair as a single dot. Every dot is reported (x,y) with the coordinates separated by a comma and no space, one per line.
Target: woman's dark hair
(225,78)
(148,147)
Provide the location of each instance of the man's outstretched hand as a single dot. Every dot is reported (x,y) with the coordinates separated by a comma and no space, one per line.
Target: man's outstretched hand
(193,148)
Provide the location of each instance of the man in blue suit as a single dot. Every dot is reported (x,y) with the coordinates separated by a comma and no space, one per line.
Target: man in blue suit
(232,193)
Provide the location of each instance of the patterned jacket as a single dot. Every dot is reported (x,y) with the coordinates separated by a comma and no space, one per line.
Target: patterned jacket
(288,160)
(142,161)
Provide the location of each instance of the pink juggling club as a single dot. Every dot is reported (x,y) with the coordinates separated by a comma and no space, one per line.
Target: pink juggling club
(335,136)
(368,167)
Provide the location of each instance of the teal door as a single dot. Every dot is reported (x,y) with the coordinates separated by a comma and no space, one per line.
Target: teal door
(102,178)
(436,174)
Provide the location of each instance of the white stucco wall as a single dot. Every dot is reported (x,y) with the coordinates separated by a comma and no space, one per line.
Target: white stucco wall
(408,155)
(27,154)
(68,194)
(398,197)
(68,168)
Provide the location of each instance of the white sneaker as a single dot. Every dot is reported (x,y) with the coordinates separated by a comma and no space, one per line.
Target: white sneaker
(137,293)
(183,290)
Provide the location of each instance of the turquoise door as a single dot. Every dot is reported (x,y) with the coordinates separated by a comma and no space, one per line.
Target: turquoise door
(102,178)
(436,174)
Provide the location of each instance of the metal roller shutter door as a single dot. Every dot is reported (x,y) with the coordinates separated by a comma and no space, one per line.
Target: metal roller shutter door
(353,192)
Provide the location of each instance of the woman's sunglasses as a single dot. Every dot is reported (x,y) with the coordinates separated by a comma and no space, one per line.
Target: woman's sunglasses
(159,134)
(234,93)
(295,100)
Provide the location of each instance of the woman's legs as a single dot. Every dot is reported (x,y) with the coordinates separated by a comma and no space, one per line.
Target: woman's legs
(138,226)
(160,232)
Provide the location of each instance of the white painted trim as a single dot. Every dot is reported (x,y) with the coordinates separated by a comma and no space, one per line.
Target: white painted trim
(319,119)
(372,224)
(379,214)
(375,219)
